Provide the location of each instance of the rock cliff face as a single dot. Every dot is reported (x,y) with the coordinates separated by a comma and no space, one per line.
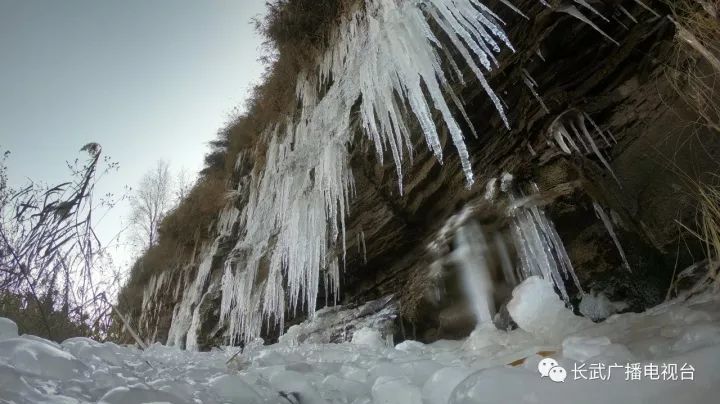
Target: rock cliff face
(600,145)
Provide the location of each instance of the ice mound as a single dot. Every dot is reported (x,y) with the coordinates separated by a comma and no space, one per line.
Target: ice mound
(583,349)
(395,390)
(41,340)
(232,387)
(8,328)
(439,387)
(41,359)
(537,309)
(597,306)
(139,395)
(369,337)
(92,352)
(340,323)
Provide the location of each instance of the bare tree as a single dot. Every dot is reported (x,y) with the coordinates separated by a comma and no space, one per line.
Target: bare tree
(183,184)
(4,190)
(149,204)
(51,260)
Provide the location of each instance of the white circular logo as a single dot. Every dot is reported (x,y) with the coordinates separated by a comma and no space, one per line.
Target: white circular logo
(558,374)
(545,365)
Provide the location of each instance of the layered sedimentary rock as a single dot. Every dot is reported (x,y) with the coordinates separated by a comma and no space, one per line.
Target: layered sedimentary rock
(587,185)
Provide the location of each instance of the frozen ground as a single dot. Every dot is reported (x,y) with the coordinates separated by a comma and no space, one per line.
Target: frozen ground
(664,348)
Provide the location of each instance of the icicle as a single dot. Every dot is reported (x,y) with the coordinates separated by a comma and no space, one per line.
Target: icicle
(183,318)
(191,342)
(573,11)
(531,84)
(611,136)
(592,9)
(576,122)
(627,14)
(506,180)
(335,280)
(364,249)
(505,262)
(577,136)
(490,189)
(561,136)
(540,250)
(609,227)
(560,140)
(513,8)
(597,130)
(625,27)
(241,156)
(470,255)
(617,219)
(596,150)
(540,55)
(647,8)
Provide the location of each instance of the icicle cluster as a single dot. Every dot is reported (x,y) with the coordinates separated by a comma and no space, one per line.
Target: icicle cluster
(570,129)
(186,316)
(152,305)
(539,247)
(386,55)
(611,231)
(184,313)
(532,86)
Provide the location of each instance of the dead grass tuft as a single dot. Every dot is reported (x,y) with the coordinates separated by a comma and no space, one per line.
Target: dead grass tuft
(695,75)
(710,226)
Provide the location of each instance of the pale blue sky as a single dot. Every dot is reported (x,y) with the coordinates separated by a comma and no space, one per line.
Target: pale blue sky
(147,79)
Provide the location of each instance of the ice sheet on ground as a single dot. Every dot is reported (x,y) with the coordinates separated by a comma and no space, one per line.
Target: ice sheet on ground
(490,366)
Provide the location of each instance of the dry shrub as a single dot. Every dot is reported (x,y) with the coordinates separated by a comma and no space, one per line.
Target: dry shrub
(194,217)
(696,71)
(35,320)
(710,225)
(303,28)
(242,134)
(695,76)
(706,193)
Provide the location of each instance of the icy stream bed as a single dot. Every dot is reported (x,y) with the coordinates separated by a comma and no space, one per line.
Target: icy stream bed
(670,354)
